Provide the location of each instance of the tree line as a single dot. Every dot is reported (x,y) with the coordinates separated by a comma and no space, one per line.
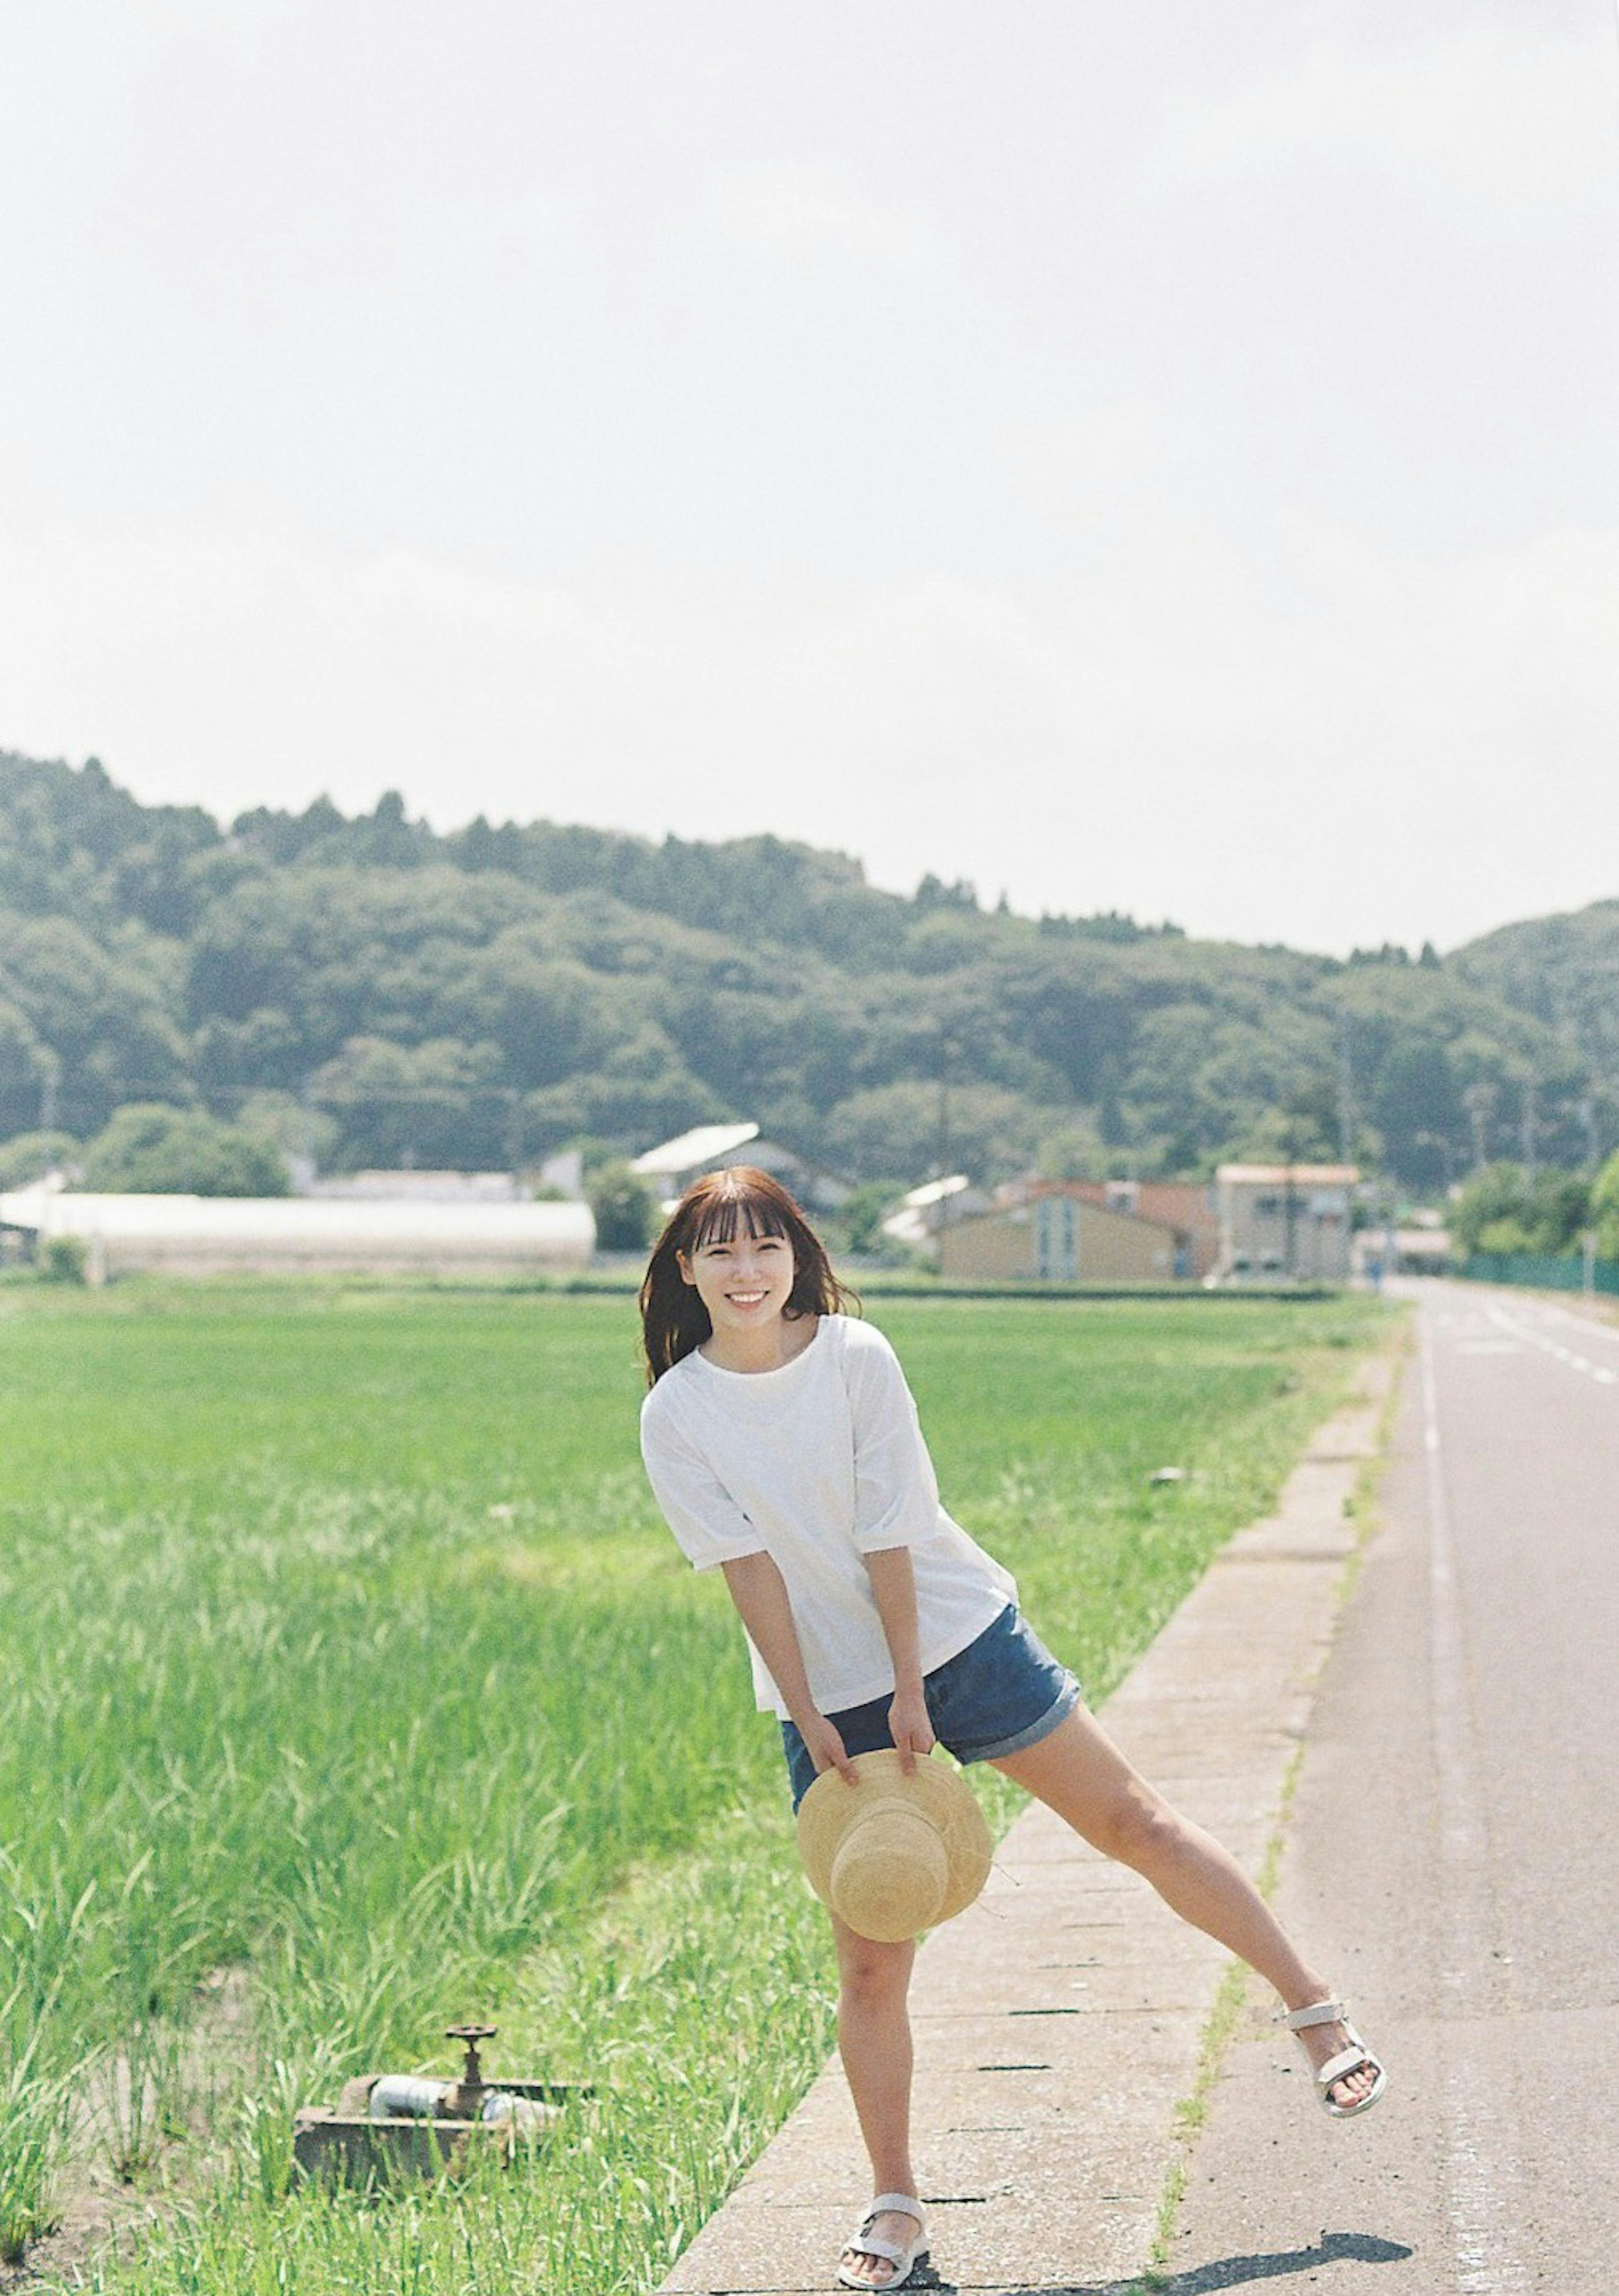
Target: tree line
(362,990)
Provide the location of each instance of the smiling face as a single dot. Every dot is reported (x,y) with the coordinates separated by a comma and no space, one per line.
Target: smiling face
(738,1273)
(745,1280)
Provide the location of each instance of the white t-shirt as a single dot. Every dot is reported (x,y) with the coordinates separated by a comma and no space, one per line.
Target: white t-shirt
(817,1464)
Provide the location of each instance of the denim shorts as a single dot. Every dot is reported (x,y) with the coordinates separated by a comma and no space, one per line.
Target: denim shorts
(1003,1692)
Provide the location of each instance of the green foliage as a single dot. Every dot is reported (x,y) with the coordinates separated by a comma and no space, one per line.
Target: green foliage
(62,1259)
(626,1213)
(35,2109)
(859,1223)
(30,1155)
(289,1126)
(1605,1208)
(1499,1210)
(1562,970)
(365,1688)
(908,1127)
(482,997)
(435,1103)
(154,1150)
(1559,1210)
(1494,1193)
(90,1023)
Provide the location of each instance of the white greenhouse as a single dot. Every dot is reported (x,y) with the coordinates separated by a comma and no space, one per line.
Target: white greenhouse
(212,1236)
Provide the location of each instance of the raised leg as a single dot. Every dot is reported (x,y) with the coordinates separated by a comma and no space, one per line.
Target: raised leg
(874,2042)
(1080,1774)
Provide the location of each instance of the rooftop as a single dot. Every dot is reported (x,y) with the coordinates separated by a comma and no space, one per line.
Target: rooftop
(701,1146)
(1297,1176)
(296,1220)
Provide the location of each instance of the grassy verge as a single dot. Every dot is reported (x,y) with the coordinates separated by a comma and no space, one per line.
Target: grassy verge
(354,1679)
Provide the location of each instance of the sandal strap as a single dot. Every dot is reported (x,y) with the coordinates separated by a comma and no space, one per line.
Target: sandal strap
(867,2243)
(905,2204)
(1320,2013)
(864,2242)
(1346,2062)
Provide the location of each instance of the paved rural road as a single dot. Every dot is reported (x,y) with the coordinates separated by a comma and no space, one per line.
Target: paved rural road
(1454,1854)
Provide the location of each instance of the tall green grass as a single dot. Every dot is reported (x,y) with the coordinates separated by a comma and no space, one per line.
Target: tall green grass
(351,1677)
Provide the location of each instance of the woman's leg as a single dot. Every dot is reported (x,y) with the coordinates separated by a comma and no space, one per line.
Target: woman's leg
(1081,1776)
(874,2042)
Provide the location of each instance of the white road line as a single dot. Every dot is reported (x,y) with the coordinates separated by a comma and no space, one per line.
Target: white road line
(1518,1329)
(1479,2134)
(1588,1327)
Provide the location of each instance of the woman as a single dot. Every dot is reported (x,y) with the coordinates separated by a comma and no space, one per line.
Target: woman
(785,1450)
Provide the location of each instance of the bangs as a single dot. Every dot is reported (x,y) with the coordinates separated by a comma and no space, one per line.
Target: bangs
(741,1200)
(740,1208)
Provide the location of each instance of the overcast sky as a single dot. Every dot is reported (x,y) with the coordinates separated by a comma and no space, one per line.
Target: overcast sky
(1138,454)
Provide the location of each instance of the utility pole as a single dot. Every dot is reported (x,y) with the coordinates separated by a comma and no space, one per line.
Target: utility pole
(1346,1093)
(1289,1208)
(1530,1127)
(945,1050)
(942,1210)
(306,1102)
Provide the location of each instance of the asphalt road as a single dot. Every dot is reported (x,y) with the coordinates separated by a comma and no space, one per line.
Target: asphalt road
(1453,1855)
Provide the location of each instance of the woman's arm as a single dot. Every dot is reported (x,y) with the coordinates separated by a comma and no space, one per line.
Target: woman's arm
(893,1586)
(759,1593)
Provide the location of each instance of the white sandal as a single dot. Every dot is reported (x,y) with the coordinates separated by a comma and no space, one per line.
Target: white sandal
(1356,2058)
(865,2242)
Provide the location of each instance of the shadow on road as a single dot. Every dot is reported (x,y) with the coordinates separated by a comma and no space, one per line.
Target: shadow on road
(1240,2271)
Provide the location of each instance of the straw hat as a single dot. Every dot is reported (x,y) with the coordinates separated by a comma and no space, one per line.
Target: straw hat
(895,1854)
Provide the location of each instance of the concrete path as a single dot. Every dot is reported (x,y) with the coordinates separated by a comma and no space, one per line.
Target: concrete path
(1454,1852)
(1060,2021)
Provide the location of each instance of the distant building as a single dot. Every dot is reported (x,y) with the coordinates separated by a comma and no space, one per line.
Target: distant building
(412,1187)
(273,1235)
(1187,1208)
(1284,1222)
(922,1214)
(673,1167)
(1056,1236)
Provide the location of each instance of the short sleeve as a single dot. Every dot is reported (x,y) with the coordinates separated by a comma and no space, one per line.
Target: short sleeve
(896,1491)
(708,1524)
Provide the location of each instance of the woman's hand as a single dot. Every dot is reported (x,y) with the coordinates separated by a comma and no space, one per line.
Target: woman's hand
(909,1724)
(893,1589)
(825,1748)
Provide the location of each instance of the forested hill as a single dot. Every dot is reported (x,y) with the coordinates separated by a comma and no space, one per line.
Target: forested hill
(482,997)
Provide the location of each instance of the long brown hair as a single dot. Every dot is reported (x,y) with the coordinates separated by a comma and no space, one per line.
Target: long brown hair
(674,1321)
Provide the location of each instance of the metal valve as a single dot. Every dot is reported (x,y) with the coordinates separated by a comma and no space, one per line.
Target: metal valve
(465,2100)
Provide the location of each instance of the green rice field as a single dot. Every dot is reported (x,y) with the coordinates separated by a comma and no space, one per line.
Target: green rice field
(350,1686)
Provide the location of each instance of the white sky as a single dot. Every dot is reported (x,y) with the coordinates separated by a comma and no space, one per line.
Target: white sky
(1131,452)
